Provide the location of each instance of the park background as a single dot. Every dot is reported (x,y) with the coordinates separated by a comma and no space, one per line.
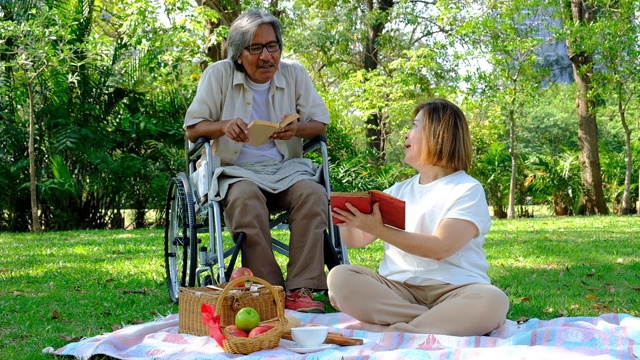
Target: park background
(92,99)
(93,94)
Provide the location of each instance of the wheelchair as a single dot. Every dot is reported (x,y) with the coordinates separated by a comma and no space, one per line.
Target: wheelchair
(190,261)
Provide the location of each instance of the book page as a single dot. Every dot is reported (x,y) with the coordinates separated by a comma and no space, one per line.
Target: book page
(288,120)
(261,130)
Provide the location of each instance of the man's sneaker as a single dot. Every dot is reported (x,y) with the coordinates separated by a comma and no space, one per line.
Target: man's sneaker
(300,300)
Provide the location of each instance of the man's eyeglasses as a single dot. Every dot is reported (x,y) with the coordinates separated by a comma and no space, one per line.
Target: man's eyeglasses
(258,49)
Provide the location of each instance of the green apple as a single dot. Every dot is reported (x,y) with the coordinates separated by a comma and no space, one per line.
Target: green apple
(247,318)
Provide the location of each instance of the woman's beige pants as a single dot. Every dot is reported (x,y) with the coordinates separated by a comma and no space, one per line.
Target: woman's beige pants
(433,308)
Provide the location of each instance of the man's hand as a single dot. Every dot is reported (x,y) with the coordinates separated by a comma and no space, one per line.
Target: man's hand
(236,130)
(286,132)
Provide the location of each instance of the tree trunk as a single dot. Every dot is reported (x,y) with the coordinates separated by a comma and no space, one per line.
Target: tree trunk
(375,122)
(373,133)
(626,194)
(499,212)
(214,50)
(228,11)
(593,200)
(511,211)
(32,165)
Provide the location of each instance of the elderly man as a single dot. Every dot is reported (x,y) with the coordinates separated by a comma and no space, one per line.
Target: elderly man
(255,83)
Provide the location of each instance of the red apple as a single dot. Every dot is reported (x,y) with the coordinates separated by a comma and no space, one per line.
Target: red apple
(260,329)
(240,272)
(233,330)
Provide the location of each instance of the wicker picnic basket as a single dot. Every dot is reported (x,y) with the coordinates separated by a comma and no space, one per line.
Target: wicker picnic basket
(267,300)
(264,341)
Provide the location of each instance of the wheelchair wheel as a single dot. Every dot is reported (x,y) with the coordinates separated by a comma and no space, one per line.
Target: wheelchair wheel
(180,237)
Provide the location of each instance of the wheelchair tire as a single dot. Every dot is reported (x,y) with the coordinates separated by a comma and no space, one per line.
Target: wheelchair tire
(180,237)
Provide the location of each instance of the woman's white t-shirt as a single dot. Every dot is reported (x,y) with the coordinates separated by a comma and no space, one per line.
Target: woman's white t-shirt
(456,196)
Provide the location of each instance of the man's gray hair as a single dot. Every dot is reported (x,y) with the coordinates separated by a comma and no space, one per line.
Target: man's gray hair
(243,29)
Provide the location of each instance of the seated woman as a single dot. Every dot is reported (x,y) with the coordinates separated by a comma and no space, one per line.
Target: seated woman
(433,276)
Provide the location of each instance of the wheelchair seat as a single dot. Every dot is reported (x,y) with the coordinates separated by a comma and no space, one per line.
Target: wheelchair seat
(190,261)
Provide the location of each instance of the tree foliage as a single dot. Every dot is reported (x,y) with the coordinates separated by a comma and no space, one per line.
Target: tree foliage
(105,85)
(103,104)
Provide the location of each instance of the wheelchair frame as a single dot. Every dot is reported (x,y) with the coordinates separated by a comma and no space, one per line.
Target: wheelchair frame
(187,259)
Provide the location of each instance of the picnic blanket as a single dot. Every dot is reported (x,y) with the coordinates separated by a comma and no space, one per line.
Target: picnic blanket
(610,336)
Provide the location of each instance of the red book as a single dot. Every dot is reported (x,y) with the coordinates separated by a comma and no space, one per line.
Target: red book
(391,208)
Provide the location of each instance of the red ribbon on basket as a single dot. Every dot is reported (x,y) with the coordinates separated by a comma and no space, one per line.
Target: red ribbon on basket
(210,319)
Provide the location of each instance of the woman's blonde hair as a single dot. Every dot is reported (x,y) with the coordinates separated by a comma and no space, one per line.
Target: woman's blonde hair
(445,135)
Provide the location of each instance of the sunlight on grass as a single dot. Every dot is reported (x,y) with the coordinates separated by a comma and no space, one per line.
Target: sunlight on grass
(551,267)
(85,283)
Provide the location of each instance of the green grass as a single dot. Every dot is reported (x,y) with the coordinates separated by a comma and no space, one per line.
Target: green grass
(60,287)
(573,266)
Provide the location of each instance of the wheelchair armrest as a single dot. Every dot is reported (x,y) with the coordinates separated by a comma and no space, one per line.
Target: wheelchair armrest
(314,143)
(197,146)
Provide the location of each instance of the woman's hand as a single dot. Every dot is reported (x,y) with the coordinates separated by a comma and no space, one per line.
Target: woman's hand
(357,219)
(358,227)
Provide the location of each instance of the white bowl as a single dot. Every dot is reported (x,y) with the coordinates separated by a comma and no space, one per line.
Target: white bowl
(309,336)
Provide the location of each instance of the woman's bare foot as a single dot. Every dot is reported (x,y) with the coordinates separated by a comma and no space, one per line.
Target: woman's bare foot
(368,327)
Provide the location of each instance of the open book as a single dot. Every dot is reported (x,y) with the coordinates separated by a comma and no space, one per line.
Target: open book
(260,130)
(391,208)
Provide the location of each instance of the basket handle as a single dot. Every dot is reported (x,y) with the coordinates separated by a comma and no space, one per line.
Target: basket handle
(230,286)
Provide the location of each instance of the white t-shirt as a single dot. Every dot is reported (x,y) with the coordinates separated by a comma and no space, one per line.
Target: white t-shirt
(456,196)
(260,110)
